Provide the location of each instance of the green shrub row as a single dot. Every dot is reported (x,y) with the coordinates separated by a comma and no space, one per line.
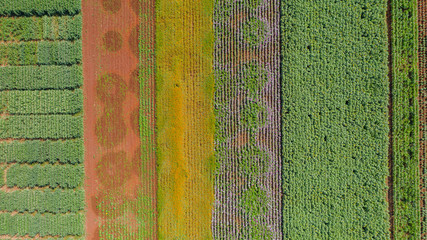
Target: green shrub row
(36,151)
(41,126)
(2,169)
(335,119)
(63,176)
(39,7)
(40,77)
(42,201)
(61,225)
(41,28)
(41,102)
(41,53)
(406,175)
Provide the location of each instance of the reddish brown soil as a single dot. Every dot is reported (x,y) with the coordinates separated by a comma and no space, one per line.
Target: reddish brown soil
(110,144)
(112,41)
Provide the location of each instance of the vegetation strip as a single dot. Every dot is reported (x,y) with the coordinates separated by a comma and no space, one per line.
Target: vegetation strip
(40,151)
(405,120)
(52,176)
(248,202)
(43,225)
(41,53)
(42,201)
(41,28)
(39,7)
(422,98)
(335,125)
(41,127)
(184,118)
(41,77)
(41,102)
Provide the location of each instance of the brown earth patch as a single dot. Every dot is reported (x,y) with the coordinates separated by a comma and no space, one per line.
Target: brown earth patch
(113,169)
(134,41)
(112,41)
(109,129)
(111,89)
(112,6)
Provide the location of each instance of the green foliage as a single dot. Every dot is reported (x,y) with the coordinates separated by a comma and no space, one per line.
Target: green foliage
(406,176)
(41,53)
(254,201)
(42,102)
(63,176)
(43,201)
(41,28)
(40,77)
(46,225)
(253,115)
(36,151)
(254,32)
(2,169)
(253,161)
(335,119)
(39,7)
(59,53)
(41,126)
(254,77)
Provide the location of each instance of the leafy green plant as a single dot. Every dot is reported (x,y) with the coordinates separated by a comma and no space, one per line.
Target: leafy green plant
(40,77)
(254,32)
(39,7)
(43,201)
(41,126)
(52,176)
(38,151)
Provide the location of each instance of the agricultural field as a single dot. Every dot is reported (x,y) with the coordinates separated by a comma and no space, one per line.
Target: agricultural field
(41,124)
(213,119)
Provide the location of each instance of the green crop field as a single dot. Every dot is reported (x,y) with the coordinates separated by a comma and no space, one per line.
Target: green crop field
(41,124)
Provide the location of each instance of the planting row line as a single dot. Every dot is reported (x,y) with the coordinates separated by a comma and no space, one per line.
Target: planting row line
(39,7)
(52,176)
(40,28)
(41,53)
(405,130)
(43,225)
(335,131)
(42,201)
(40,77)
(41,126)
(41,102)
(37,151)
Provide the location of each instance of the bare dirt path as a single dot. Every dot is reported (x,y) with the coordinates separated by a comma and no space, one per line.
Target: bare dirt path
(115,191)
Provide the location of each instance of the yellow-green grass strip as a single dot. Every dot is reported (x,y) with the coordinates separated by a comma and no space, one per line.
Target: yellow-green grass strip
(185,120)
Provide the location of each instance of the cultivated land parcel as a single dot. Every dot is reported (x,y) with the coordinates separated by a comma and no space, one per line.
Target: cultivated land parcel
(213,119)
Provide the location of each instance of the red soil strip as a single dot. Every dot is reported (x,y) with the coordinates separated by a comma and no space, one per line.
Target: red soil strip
(111,138)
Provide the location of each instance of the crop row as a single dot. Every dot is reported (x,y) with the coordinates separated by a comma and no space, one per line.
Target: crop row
(335,119)
(42,201)
(41,126)
(45,225)
(41,102)
(2,168)
(405,130)
(41,53)
(63,176)
(37,151)
(41,28)
(39,7)
(40,77)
